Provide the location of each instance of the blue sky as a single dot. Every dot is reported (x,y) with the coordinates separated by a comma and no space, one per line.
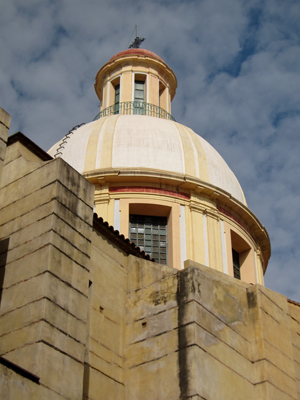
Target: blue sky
(238,68)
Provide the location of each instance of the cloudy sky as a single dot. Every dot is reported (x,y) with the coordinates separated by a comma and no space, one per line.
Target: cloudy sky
(238,68)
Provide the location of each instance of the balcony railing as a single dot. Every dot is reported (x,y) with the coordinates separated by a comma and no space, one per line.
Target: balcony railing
(135,108)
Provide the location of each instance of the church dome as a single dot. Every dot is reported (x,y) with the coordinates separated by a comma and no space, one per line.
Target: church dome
(158,182)
(140,141)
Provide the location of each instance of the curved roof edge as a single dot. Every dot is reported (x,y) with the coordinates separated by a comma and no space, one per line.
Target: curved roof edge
(139,52)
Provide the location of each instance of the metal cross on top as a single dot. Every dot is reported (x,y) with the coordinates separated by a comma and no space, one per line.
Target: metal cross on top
(137,41)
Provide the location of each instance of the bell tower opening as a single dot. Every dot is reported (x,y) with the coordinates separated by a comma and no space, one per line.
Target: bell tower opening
(139,94)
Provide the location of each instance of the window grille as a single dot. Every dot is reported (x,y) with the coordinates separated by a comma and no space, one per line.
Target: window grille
(236,264)
(139,97)
(150,234)
(117,99)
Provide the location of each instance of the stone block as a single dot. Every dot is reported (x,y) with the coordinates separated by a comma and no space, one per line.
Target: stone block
(64,321)
(17,224)
(108,252)
(41,286)
(152,348)
(23,293)
(153,299)
(28,204)
(14,386)
(296,354)
(294,311)
(2,148)
(103,387)
(107,367)
(42,331)
(70,251)
(25,249)
(108,288)
(142,273)
(80,206)
(210,322)
(5,118)
(61,373)
(266,371)
(27,357)
(40,177)
(219,294)
(226,355)
(111,333)
(21,317)
(275,306)
(16,166)
(276,357)
(276,333)
(65,297)
(298,387)
(75,182)
(152,326)
(105,353)
(211,379)
(270,297)
(46,224)
(295,332)
(154,380)
(83,227)
(276,394)
(47,258)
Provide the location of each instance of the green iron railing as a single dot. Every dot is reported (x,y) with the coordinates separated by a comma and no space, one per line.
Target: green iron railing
(135,108)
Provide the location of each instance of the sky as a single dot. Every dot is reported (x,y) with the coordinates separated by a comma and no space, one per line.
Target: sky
(237,64)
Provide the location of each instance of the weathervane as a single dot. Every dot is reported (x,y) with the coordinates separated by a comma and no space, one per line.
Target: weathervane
(137,41)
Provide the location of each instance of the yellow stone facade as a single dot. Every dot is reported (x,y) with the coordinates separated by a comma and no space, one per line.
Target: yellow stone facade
(84,314)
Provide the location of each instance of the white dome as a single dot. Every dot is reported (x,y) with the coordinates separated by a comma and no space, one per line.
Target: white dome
(138,141)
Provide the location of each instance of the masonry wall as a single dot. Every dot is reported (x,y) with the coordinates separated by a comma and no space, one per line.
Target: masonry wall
(104,360)
(81,319)
(294,311)
(45,219)
(200,334)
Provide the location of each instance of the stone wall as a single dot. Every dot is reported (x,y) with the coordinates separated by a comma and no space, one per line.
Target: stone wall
(200,334)
(45,218)
(294,311)
(80,318)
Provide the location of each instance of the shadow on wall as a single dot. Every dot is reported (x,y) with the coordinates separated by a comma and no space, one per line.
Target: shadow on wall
(3,257)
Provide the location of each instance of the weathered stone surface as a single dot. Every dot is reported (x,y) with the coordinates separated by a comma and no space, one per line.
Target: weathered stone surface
(151,326)
(68,323)
(224,384)
(95,323)
(152,348)
(154,380)
(103,387)
(5,118)
(14,386)
(21,317)
(111,333)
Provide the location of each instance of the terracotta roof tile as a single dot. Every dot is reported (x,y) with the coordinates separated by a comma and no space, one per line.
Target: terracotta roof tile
(119,239)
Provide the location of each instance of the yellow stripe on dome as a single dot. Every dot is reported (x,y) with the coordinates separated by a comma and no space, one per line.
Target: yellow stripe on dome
(91,154)
(189,161)
(202,173)
(107,142)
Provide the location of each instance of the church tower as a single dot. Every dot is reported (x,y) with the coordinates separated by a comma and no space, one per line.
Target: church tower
(156,180)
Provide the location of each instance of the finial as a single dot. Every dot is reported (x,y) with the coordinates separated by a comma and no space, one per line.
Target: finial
(137,41)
